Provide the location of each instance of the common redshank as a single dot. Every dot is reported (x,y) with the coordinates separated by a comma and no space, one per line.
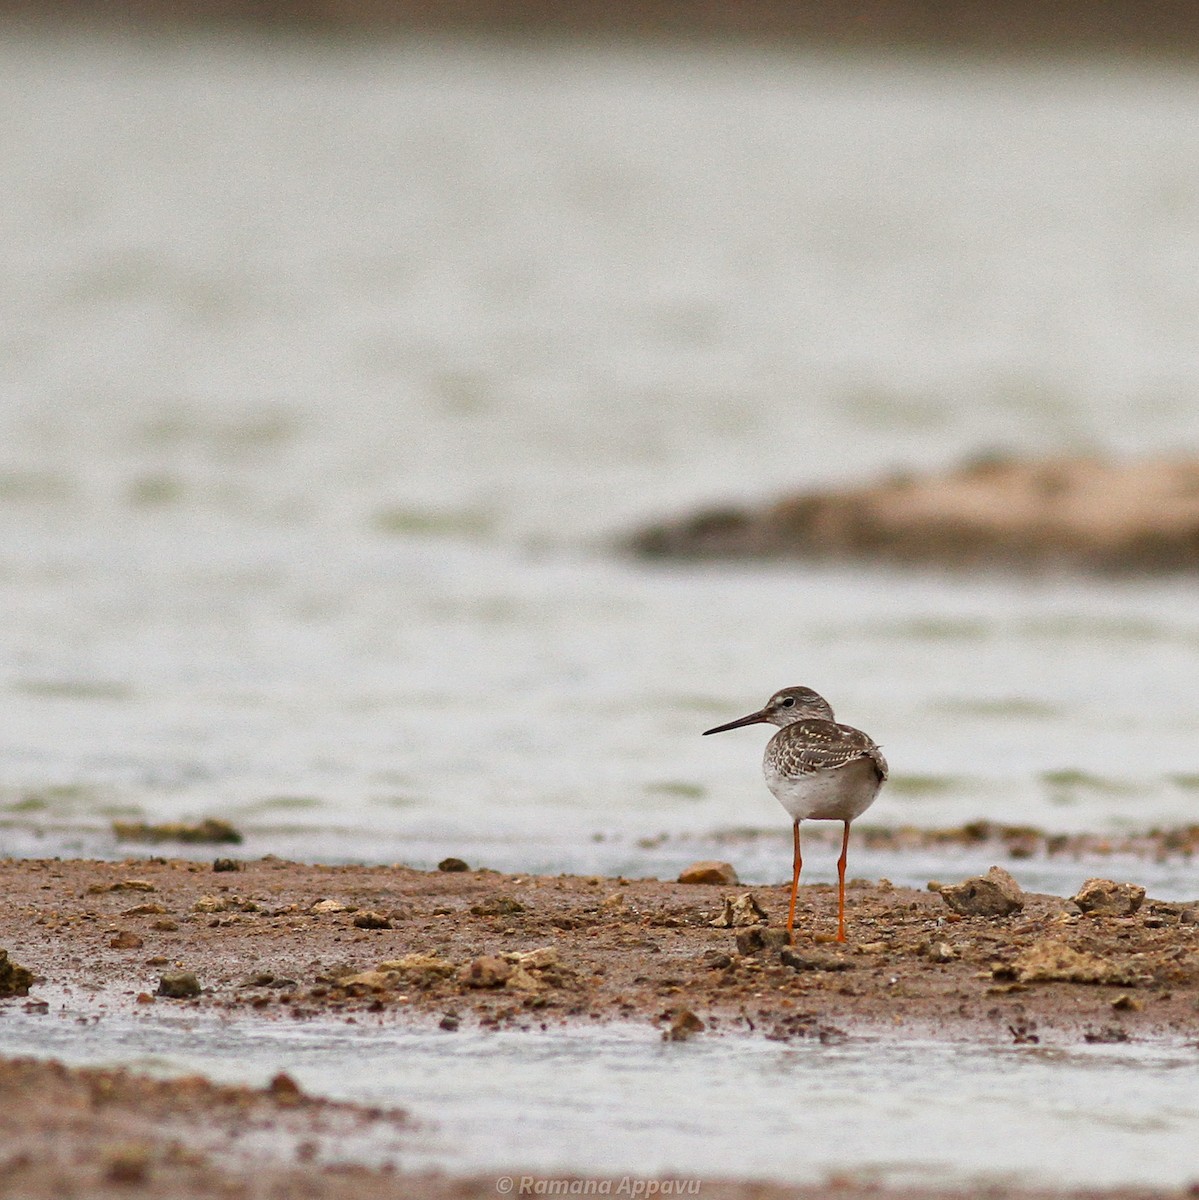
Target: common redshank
(818,771)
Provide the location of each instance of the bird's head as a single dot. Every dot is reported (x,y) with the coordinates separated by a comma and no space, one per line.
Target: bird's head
(785,707)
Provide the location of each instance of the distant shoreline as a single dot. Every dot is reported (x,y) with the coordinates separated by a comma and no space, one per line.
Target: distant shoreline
(1169,28)
(1083,515)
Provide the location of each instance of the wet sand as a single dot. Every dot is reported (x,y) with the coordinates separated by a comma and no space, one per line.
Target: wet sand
(461,948)
(110,1133)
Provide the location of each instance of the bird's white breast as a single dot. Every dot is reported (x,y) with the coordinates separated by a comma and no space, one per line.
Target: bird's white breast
(841,794)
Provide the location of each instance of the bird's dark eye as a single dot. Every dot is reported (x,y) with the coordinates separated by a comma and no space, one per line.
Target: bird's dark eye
(788,701)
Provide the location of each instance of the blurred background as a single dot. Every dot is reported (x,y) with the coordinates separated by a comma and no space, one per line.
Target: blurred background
(341,343)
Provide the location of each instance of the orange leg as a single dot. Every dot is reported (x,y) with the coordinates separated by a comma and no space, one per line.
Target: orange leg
(798,863)
(841,884)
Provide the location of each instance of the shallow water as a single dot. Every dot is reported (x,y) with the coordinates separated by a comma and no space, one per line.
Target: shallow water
(618,1099)
(330,371)
(329,374)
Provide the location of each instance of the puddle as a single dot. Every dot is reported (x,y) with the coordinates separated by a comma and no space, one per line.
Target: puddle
(618,1099)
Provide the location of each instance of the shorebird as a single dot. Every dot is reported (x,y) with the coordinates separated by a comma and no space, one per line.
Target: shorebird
(818,771)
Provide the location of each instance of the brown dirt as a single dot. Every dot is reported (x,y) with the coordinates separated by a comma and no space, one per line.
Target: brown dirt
(444,947)
(1070,26)
(1078,513)
(85,1132)
(277,938)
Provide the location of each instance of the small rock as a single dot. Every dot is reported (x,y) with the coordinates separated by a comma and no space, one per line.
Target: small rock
(430,966)
(208,830)
(449,1022)
(756,939)
(497,906)
(536,960)
(452,864)
(941,952)
(179,985)
(740,911)
(721,873)
(144,910)
(166,925)
(125,940)
(488,971)
(683,1026)
(226,864)
(814,962)
(133,885)
(14,980)
(285,1091)
(371,920)
(1109,1035)
(126,1165)
(144,998)
(334,973)
(212,904)
(995,894)
(1051,961)
(367,981)
(1125,1003)
(329,906)
(1024,1033)
(522,981)
(1105,898)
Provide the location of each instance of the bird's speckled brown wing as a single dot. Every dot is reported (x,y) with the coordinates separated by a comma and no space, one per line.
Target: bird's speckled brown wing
(807,747)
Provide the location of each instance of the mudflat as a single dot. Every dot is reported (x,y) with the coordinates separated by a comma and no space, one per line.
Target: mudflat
(457,947)
(453,948)
(85,1132)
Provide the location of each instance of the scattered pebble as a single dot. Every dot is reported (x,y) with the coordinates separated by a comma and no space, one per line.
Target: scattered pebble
(756,939)
(452,864)
(371,920)
(808,961)
(497,906)
(941,952)
(208,830)
(1051,961)
(14,980)
(179,985)
(126,940)
(536,960)
(740,911)
(226,864)
(284,1090)
(684,1024)
(125,885)
(127,1165)
(995,894)
(721,873)
(418,966)
(488,971)
(1106,898)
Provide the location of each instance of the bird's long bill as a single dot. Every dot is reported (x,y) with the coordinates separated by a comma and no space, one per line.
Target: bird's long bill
(757,718)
